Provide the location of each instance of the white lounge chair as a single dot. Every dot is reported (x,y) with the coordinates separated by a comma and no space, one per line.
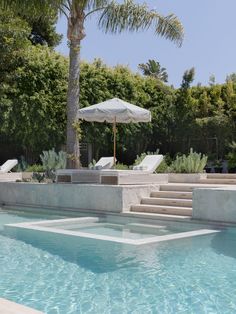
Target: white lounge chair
(149,163)
(104,163)
(8,165)
(85,175)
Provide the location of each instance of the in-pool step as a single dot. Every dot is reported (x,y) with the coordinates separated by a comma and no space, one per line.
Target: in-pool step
(138,225)
(145,227)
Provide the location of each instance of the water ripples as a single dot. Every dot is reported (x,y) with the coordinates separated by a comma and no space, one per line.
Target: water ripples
(187,276)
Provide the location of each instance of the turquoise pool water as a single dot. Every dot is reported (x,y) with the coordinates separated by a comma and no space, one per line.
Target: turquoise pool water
(125,231)
(119,232)
(17,217)
(57,276)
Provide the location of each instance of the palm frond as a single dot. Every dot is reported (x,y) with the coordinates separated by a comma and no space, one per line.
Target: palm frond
(96,4)
(170,27)
(129,16)
(153,68)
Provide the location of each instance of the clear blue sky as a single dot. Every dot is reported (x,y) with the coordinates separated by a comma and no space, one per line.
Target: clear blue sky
(209,44)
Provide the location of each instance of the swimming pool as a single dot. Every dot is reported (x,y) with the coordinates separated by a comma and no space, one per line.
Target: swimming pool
(106,228)
(191,275)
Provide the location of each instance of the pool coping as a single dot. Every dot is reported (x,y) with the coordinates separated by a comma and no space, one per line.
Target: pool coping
(47,226)
(10,307)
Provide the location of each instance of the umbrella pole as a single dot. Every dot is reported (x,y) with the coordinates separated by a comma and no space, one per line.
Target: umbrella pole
(114,143)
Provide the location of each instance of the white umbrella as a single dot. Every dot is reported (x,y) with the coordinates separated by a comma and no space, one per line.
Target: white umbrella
(114,111)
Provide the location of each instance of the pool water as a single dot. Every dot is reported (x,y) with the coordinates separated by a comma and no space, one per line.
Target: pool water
(17,217)
(116,231)
(191,275)
(125,231)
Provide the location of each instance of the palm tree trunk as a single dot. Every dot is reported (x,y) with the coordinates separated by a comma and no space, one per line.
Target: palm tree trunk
(72,142)
(75,33)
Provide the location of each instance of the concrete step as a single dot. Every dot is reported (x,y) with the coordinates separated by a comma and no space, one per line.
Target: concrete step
(159,209)
(221,176)
(218,181)
(167,202)
(172,194)
(177,187)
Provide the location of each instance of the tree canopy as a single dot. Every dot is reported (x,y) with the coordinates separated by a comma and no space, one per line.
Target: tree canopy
(113,17)
(33,110)
(43,29)
(32,88)
(153,68)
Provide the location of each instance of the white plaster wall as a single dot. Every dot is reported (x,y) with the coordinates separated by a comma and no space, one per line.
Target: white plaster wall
(132,195)
(73,196)
(216,204)
(10,176)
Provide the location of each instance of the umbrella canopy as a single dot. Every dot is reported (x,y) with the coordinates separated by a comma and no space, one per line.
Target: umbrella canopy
(114,111)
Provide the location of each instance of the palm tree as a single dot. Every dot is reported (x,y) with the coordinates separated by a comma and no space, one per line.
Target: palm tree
(153,68)
(112,17)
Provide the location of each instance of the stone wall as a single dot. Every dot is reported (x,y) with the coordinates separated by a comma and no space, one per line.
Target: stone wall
(215,204)
(73,196)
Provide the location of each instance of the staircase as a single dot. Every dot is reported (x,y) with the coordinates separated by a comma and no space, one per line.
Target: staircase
(176,198)
(170,199)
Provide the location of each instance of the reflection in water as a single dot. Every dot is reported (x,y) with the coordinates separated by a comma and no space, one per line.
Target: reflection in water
(225,242)
(105,256)
(95,255)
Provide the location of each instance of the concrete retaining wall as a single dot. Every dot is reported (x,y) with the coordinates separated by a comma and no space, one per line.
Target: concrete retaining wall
(186,177)
(10,177)
(73,196)
(217,204)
